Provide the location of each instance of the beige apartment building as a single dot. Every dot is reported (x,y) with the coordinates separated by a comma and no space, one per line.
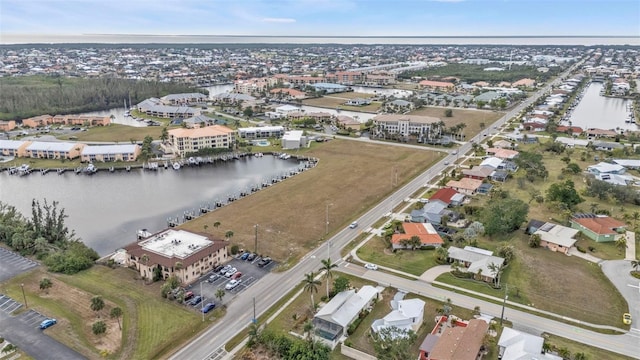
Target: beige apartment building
(53,150)
(7,125)
(109,153)
(14,148)
(185,254)
(184,141)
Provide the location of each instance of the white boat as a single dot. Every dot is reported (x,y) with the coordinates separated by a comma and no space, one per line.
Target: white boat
(127,113)
(23,168)
(192,161)
(176,166)
(90,169)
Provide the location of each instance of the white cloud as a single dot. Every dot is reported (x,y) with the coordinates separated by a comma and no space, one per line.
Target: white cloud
(279,20)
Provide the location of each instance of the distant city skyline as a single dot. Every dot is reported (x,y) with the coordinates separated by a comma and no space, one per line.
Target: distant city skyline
(322,17)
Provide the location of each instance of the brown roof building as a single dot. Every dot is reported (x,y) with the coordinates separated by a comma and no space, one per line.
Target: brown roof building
(460,343)
(184,254)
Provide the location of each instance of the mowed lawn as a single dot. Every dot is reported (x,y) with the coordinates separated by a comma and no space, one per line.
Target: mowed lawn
(115,133)
(473,118)
(338,101)
(349,178)
(411,261)
(152,326)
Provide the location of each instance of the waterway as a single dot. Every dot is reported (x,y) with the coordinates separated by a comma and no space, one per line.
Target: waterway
(596,111)
(106,209)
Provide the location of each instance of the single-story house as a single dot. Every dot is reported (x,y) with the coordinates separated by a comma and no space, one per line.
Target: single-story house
(478,172)
(293,139)
(600,228)
(573,142)
(628,163)
(358,102)
(406,315)
(348,122)
(606,145)
(502,153)
(556,237)
(448,196)
(485,188)
(517,345)
(476,261)
(461,342)
(432,212)
(503,144)
(492,162)
(424,231)
(606,168)
(465,186)
(332,320)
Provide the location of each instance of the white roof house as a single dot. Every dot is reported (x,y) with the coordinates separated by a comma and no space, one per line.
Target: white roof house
(493,162)
(606,168)
(293,139)
(628,163)
(557,234)
(407,316)
(286,109)
(51,146)
(475,260)
(109,149)
(516,345)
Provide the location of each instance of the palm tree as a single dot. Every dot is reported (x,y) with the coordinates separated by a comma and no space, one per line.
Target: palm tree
(97,304)
(635,264)
(496,270)
(327,265)
(635,216)
(441,254)
(311,286)
(216,224)
(220,293)
(116,313)
(621,243)
(254,333)
(308,330)
(164,135)
(228,235)
(45,284)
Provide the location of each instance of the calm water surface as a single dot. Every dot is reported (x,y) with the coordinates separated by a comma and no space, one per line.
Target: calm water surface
(596,111)
(107,209)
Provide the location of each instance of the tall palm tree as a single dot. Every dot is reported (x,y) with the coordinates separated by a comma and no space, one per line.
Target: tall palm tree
(621,243)
(496,270)
(635,264)
(327,265)
(216,224)
(311,286)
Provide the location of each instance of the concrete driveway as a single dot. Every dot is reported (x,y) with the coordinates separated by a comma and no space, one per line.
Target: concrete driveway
(618,272)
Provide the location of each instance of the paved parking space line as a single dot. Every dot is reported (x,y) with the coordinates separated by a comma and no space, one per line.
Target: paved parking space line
(13,308)
(219,354)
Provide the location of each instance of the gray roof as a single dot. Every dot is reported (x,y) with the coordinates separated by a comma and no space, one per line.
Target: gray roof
(345,306)
(401,102)
(557,234)
(109,149)
(235,96)
(199,119)
(11,144)
(522,346)
(184,96)
(487,96)
(51,146)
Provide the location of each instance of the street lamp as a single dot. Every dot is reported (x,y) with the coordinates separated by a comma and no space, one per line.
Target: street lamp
(504,302)
(326,225)
(24,296)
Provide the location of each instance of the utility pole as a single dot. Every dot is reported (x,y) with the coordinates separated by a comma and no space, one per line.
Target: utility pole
(326,224)
(202,302)
(24,296)
(504,301)
(256,241)
(254,311)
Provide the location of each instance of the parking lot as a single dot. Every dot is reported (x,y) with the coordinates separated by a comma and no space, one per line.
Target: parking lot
(12,264)
(8,305)
(251,273)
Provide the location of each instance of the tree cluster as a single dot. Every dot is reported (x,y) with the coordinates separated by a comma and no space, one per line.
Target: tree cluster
(532,164)
(27,96)
(392,343)
(564,193)
(504,215)
(472,73)
(604,190)
(46,236)
(281,346)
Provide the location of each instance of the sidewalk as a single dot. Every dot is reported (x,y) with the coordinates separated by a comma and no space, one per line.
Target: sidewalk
(630,253)
(574,252)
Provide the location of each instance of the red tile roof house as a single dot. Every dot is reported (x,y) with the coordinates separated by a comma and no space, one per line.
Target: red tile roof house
(462,342)
(478,172)
(448,196)
(424,231)
(600,228)
(571,130)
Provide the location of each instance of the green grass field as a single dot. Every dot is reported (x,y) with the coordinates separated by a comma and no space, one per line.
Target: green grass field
(411,261)
(152,326)
(115,133)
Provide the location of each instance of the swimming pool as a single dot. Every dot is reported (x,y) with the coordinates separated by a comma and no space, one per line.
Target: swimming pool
(261,142)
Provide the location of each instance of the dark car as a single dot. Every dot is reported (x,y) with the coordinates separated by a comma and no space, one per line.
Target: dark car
(218,268)
(251,257)
(244,256)
(208,307)
(196,300)
(188,295)
(264,261)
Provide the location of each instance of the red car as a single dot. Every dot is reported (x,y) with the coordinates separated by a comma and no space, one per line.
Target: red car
(188,295)
(236,275)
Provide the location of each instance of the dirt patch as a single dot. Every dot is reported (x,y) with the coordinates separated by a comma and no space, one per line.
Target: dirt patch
(80,302)
(472,118)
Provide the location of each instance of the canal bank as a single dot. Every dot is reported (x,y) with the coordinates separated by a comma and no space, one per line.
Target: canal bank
(600,112)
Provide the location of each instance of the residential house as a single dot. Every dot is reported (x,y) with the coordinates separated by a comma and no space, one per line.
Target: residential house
(288,94)
(348,122)
(437,85)
(448,196)
(53,150)
(285,110)
(7,125)
(628,163)
(406,315)
(432,212)
(185,99)
(501,153)
(107,153)
(570,130)
(461,342)
(261,132)
(424,231)
(465,185)
(524,83)
(485,188)
(294,139)
(600,228)
(475,261)
(187,255)
(573,142)
(478,172)
(499,175)
(556,237)
(503,144)
(401,104)
(596,133)
(358,102)
(606,146)
(517,345)
(185,141)
(492,162)
(15,148)
(606,168)
(333,319)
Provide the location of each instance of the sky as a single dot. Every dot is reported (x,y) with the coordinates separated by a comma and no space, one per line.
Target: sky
(323,17)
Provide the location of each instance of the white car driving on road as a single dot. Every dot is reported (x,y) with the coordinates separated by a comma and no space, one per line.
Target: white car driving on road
(371,266)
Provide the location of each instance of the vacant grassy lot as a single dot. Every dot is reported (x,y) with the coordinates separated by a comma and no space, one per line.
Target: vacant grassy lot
(412,261)
(152,326)
(591,352)
(473,118)
(334,101)
(350,177)
(116,133)
(553,282)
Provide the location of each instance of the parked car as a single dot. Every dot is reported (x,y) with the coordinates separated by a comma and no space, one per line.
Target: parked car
(208,307)
(231,272)
(264,261)
(251,256)
(232,284)
(371,266)
(213,278)
(626,318)
(47,323)
(225,269)
(196,300)
(188,295)
(218,268)
(353,225)
(244,256)
(236,276)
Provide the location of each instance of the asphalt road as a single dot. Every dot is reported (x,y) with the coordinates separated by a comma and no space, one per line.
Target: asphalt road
(274,286)
(618,272)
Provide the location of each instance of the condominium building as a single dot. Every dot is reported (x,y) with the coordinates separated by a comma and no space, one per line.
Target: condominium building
(54,150)
(185,141)
(261,132)
(107,153)
(404,125)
